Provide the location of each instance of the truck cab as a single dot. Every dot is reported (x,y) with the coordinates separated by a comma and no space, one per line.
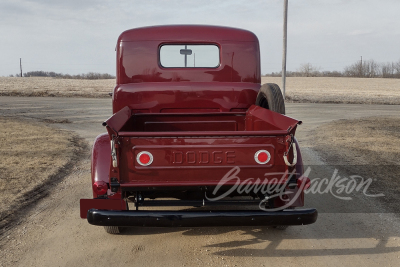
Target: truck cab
(183,69)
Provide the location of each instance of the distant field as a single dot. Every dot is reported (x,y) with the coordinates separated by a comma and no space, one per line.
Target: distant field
(35,86)
(298,89)
(340,90)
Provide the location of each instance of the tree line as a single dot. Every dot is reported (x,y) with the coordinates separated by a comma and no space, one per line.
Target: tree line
(360,69)
(89,75)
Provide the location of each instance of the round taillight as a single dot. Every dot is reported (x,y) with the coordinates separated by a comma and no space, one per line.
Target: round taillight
(144,158)
(100,187)
(262,157)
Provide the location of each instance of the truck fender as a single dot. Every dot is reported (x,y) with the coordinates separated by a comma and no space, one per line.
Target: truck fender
(101,160)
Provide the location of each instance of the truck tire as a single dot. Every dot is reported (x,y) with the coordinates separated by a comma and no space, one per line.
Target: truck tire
(114,230)
(270,97)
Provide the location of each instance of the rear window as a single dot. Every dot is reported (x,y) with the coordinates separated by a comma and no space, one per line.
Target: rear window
(189,56)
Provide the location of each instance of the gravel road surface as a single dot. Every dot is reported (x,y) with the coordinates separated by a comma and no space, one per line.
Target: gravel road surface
(52,234)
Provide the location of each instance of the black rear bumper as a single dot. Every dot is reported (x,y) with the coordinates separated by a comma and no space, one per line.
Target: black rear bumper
(151,218)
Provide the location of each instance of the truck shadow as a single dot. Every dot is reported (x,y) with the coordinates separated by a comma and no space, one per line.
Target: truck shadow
(351,237)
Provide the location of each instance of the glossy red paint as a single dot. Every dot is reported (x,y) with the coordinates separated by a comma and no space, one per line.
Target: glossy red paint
(185,97)
(138,54)
(105,204)
(101,162)
(204,147)
(256,121)
(139,70)
(176,132)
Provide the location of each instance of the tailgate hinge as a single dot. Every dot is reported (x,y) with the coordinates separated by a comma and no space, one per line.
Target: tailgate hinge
(114,184)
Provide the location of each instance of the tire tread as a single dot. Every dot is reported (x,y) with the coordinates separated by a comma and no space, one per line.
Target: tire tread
(114,230)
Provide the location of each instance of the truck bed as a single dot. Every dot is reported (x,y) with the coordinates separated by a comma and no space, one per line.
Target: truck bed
(203,147)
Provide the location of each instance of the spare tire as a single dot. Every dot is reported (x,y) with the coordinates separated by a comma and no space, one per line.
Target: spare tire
(270,97)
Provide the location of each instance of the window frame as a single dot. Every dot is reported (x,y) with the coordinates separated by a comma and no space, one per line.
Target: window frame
(189,43)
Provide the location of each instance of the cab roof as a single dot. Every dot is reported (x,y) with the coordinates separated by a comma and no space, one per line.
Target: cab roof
(197,33)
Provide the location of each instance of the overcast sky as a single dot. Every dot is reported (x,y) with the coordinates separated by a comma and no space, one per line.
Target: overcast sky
(79,36)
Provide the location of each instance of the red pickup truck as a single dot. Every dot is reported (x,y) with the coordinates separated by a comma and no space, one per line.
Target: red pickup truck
(192,126)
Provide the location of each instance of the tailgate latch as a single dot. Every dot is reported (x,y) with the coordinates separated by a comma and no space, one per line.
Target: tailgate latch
(294,153)
(114,153)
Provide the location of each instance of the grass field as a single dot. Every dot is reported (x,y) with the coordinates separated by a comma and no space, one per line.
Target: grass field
(35,86)
(368,147)
(33,157)
(298,89)
(340,90)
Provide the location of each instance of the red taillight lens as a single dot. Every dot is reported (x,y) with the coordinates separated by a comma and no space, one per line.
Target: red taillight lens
(144,158)
(100,188)
(262,157)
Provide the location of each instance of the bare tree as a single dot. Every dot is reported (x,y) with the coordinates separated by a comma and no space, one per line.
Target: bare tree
(387,70)
(354,70)
(371,69)
(308,70)
(396,67)
(368,69)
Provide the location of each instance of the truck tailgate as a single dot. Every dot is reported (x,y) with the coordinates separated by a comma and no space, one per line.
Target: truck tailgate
(200,161)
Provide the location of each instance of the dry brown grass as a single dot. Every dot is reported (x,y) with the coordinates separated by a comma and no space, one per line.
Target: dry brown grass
(374,140)
(32,157)
(298,89)
(35,86)
(369,147)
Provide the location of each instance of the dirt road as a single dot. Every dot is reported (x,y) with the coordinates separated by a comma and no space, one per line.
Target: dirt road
(53,234)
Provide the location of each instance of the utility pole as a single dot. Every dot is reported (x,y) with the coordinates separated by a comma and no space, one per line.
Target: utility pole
(361,69)
(20,65)
(285,15)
